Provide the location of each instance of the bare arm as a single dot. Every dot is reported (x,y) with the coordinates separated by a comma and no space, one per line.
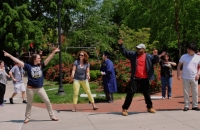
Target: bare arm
(51,56)
(11,75)
(178,70)
(88,73)
(173,63)
(73,71)
(20,63)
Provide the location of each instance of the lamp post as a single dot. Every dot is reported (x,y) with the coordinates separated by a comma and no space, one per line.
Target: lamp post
(60,90)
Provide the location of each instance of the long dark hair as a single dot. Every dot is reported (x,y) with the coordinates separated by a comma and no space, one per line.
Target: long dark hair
(1,61)
(33,57)
(163,57)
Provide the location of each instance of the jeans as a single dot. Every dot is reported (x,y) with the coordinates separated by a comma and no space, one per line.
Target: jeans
(166,81)
(144,86)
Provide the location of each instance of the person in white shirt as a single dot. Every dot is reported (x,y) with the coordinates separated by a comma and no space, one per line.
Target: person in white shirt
(190,76)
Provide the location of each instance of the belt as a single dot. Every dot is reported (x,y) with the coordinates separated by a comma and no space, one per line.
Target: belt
(30,87)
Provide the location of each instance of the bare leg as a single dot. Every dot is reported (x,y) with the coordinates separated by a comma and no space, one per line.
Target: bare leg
(23,95)
(14,94)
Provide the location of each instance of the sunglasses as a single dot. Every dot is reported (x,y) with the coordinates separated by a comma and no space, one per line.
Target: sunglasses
(81,55)
(138,48)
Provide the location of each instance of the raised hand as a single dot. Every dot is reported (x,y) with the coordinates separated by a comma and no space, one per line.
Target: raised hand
(6,53)
(120,41)
(57,50)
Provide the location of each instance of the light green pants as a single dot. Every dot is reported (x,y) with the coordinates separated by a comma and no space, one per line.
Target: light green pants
(86,87)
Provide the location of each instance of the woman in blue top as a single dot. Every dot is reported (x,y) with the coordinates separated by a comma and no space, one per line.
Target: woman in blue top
(81,75)
(35,81)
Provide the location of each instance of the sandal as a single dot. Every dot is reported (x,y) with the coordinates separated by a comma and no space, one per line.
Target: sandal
(95,108)
(54,119)
(26,121)
(74,110)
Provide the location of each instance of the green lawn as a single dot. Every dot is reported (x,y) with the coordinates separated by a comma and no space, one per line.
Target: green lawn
(58,99)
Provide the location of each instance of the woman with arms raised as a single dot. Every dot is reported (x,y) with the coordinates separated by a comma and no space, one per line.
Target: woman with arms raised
(35,81)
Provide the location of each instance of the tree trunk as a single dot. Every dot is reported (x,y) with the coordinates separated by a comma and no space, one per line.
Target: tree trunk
(177,25)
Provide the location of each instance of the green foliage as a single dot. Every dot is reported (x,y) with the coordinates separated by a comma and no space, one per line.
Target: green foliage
(123,68)
(95,65)
(93,26)
(18,29)
(66,59)
(155,85)
(132,38)
(94,75)
(68,88)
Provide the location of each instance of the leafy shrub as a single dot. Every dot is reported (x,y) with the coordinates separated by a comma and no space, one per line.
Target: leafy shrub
(123,68)
(66,59)
(52,73)
(94,75)
(155,85)
(95,65)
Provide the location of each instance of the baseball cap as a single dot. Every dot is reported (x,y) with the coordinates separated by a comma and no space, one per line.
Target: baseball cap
(141,45)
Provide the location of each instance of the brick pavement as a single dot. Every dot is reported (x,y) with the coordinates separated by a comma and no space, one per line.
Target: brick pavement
(138,103)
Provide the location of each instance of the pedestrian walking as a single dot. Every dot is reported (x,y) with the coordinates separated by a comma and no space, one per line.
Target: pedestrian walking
(16,73)
(190,76)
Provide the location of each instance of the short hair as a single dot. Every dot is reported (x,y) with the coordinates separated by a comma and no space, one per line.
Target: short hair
(105,53)
(192,46)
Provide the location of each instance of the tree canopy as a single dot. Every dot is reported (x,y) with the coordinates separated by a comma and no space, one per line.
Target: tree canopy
(166,25)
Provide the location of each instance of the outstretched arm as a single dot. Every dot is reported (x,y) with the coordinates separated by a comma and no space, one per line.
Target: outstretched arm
(51,56)
(20,63)
(123,50)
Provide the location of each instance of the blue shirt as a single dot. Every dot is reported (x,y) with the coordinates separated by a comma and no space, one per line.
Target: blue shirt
(35,75)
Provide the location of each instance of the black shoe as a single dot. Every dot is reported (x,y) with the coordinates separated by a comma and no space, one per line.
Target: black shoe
(24,101)
(11,101)
(196,108)
(186,109)
(4,100)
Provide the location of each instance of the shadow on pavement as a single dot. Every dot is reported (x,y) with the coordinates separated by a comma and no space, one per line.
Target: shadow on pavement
(178,109)
(14,121)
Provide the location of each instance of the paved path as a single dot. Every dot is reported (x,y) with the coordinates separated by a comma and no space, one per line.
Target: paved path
(169,115)
(138,104)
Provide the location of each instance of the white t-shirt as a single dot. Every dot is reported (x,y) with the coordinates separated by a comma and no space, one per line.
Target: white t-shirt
(190,64)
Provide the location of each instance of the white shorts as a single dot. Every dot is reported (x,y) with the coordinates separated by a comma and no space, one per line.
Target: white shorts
(20,87)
